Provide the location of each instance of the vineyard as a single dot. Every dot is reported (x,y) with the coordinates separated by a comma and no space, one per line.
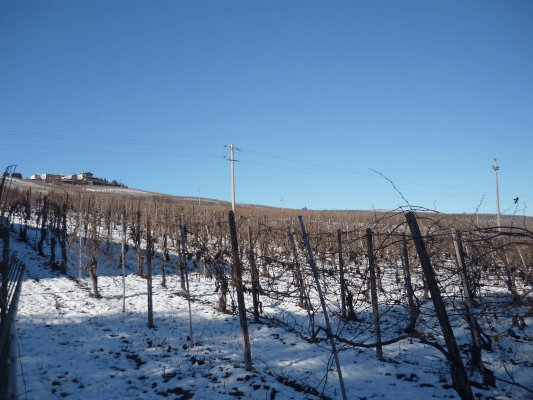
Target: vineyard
(147,297)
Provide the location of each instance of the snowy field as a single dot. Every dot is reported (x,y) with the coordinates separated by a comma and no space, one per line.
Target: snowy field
(72,345)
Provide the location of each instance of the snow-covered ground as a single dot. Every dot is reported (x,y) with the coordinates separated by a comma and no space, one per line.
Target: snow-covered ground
(72,345)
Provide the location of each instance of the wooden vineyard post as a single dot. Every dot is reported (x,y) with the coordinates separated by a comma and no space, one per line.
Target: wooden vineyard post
(86,221)
(123,261)
(254,275)
(185,270)
(459,377)
(476,266)
(63,237)
(108,222)
(179,263)
(44,223)
(164,257)
(140,260)
(149,271)
(303,297)
(477,360)
(302,287)
(80,242)
(38,210)
(374,293)
(413,310)
(324,309)
(526,269)
(237,281)
(341,275)
(459,253)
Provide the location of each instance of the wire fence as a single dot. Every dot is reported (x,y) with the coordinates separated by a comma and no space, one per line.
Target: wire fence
(12,274)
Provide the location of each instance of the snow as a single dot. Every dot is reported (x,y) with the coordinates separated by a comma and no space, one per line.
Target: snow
(72,345)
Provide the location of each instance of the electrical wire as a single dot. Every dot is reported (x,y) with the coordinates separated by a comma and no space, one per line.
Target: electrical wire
(354,181)
(96,139)
(350,171)
(167,144)
(111,151)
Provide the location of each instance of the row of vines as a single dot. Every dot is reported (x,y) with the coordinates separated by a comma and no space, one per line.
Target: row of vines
(365,263)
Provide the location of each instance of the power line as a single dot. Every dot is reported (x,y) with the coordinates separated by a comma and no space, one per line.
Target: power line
(354,181)
(351,171)
(109,151)
(309,172)
(99,140)
(96,139)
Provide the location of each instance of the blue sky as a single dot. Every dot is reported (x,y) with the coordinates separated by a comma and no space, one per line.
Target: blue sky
(315,94)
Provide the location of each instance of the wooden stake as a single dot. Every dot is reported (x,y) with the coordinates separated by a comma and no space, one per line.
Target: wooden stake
(459,377)
(324,309)
(140,257)
(341,275)
(237,281)
(185,268)
(180,264)
(80,242)
(302,286)
(254,275)
(413,309)
(149,271)
(123,261)
(374,293)
(475,263)
(477,360)
(164,258)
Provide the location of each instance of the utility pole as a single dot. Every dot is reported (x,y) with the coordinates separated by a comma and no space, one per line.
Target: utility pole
(230,158)
(282,204)
(496,168)
(198,197)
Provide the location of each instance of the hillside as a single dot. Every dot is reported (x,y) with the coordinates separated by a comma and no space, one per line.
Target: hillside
(75,345)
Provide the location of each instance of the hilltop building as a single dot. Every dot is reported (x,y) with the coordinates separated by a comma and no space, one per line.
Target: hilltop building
(71,178)
(83,178)
(47,177)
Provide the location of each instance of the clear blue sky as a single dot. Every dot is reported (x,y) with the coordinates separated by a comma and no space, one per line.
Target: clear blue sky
(314,93)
